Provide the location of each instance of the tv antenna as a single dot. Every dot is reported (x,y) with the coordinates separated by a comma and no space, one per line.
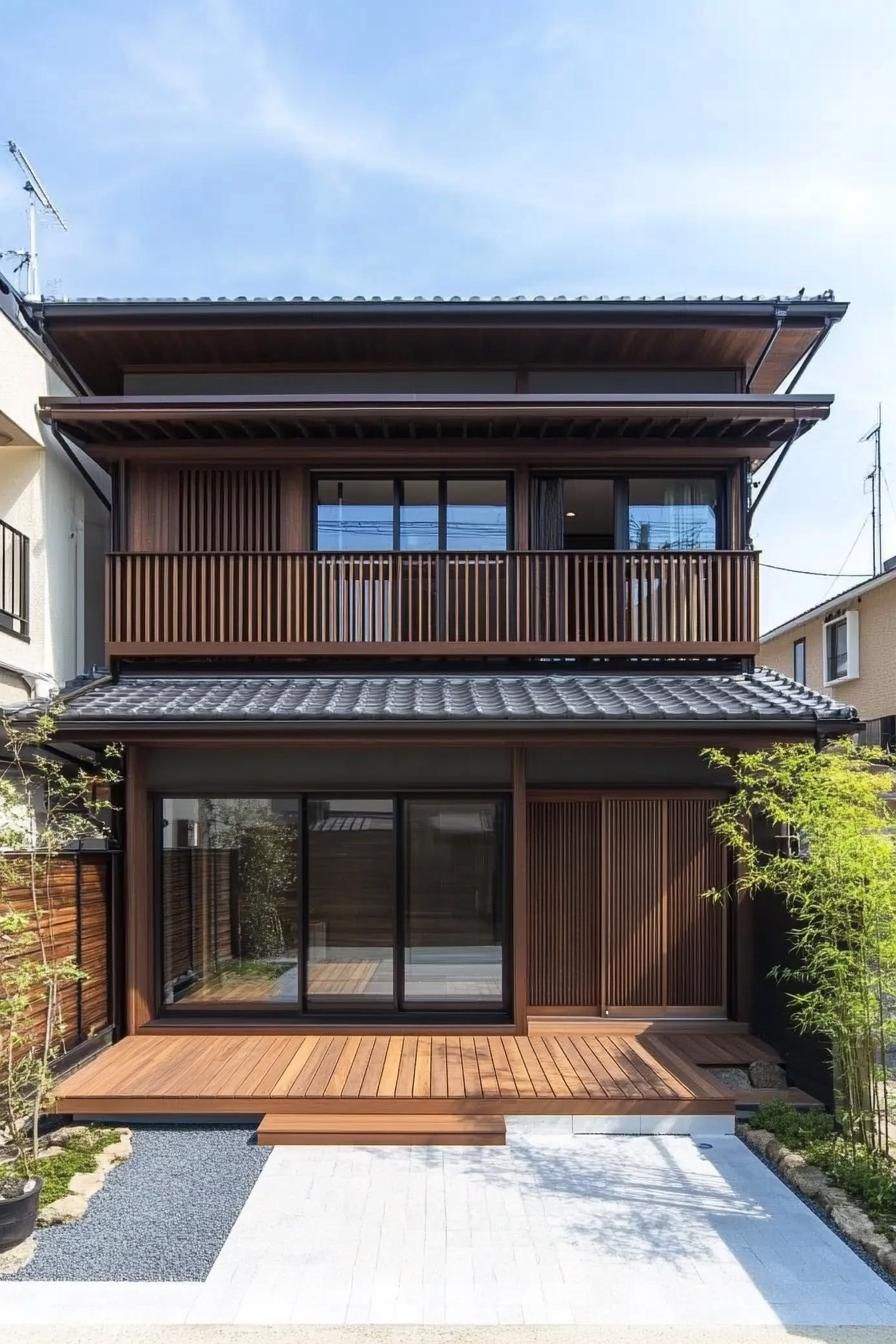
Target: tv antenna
(37,196)
(875,476)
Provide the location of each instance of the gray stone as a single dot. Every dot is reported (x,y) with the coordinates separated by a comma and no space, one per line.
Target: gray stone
(758,1139)
(852,1222)
(68,1209)
(809,1180)
(17,1258)
(764,1074)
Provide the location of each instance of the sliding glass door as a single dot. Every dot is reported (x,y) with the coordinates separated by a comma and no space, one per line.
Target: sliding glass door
(454,903)
(350,899)
(333,905)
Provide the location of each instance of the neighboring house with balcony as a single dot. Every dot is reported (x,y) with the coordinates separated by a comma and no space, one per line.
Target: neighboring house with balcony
(53,526)
(419,615)
(845,647)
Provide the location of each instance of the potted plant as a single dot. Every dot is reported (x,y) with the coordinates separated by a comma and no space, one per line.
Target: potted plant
(46,809)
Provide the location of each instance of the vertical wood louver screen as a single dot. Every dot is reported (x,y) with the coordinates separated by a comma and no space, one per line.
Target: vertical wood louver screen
(633,901)
(564,904)
(617,918)
(229,510)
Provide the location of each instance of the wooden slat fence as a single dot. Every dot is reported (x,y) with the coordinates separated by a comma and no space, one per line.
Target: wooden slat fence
(78,923)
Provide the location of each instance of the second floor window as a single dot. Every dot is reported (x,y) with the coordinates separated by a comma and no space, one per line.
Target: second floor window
(413,514)
(799,661)
(836,650)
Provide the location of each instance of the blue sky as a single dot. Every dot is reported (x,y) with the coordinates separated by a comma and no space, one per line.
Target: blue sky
(518,146)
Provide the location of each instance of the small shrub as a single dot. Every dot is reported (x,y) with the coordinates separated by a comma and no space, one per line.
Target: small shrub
(79,1154)
(794,1128)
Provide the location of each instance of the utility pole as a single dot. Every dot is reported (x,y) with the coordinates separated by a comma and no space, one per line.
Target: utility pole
(875,476)
(37,196)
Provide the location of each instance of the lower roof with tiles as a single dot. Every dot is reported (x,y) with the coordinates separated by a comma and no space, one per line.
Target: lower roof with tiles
(749,698)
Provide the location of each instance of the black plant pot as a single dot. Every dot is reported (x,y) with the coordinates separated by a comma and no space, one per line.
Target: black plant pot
(18,1215)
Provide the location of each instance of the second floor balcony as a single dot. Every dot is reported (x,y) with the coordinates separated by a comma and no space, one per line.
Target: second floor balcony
(525,603)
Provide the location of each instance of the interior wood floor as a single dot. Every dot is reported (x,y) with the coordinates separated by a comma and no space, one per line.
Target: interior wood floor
(580,1070)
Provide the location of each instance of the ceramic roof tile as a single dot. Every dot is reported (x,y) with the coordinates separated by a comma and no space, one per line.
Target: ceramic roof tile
(603,697)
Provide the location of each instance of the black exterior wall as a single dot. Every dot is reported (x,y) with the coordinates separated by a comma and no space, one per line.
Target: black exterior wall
(807,1058)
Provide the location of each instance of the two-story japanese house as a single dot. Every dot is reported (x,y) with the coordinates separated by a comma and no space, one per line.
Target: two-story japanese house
(418,616)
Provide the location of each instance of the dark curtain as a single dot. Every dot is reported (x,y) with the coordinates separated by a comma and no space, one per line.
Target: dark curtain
(546,532)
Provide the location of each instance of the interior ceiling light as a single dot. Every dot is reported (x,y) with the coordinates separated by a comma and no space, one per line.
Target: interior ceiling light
(570,513)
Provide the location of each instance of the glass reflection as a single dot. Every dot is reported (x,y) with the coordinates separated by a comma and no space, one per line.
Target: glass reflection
(229,876)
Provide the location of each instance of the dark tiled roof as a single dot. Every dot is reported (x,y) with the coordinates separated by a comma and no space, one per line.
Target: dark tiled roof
(826,297)
(751,697)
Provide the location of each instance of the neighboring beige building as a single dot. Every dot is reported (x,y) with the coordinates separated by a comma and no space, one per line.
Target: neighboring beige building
(846,648)
(53,527)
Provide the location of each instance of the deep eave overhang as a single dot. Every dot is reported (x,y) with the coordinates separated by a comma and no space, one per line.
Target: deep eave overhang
(752,423)
(104,338)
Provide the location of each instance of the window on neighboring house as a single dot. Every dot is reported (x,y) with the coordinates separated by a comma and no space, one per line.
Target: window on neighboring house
(841,648)
(799,661)
(14,559)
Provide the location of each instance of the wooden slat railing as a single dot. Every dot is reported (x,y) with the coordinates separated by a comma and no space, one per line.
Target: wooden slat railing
(659,602)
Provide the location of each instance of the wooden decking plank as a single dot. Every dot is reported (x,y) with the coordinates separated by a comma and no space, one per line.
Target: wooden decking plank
(299,1084)
(454,1067)
(488,1078)
(686,1075)
(224,1081)
(318,1080)
(521,1078)
(604,1066)
(503,1071)
(553,1076)
(439,1067)
(339,1076)
(470,1064)
(266,1061)
(377,1128)
(284,1052)
(632,1074)
(669,1071)
(294,1066)
(374,1071)
(588,1076)
(404,1086)
(391,1064)
(540,1084)
(354,1079)
(702,1050)
(422,1067)
(660,1081)
(578,1086)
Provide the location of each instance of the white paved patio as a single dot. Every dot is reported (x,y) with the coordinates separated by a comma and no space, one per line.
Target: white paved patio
(554,1229)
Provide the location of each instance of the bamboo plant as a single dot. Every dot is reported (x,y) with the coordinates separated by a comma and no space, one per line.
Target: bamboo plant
(816,829)
(47,807)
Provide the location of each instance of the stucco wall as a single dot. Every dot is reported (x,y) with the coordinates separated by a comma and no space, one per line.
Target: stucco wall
(873,692)
(43,496)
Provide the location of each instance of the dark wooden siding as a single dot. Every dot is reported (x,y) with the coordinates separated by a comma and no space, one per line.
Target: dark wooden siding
(229,509)
(617,918)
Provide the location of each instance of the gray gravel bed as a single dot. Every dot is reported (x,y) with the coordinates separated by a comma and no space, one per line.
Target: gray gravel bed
(161,1216)
(732,1077)
(819,1212)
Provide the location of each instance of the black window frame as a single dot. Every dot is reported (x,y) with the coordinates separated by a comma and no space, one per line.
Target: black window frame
(799,655)
(831,675)
(441,478)
(422,1012)
(621,479)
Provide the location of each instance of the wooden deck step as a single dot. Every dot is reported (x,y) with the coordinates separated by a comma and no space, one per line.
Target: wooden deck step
(376,1127)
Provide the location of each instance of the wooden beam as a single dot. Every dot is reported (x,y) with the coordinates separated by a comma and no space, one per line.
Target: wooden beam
(139,920)
(520,890)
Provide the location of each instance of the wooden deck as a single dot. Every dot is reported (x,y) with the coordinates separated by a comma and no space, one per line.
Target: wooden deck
(575,1068)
